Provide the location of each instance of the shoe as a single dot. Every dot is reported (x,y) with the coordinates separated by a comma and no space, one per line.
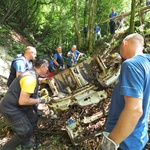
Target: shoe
(30,145)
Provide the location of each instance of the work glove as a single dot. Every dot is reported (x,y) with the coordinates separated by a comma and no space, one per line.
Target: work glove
(83,55)
(60,67)
(45,81)
(44,99)
(72,54)
(44,92)
(107,143)
(116,56)
(44,96)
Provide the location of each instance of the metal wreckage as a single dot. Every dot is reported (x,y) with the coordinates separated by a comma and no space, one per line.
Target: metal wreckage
(80,97)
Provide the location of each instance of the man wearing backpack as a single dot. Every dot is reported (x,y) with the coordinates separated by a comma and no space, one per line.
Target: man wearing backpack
(21,63)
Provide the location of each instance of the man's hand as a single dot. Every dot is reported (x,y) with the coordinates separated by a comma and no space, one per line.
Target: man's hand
(107,143)
(45,80)
(44,99)
(72,54)
(83,54)
(44,96)
(60,67)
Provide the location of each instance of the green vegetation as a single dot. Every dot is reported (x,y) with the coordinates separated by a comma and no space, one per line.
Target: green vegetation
(48,23)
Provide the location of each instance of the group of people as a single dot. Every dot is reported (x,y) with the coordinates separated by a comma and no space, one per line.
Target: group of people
(58,62)
(19,105)
(112,24)
(127,122)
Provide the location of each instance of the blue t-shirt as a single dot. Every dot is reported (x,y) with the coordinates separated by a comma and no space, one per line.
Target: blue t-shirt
(21,66)
(112,15)
(85,29)
(97,29)
(74,58)
(134,81)
(56,56)
(59,58)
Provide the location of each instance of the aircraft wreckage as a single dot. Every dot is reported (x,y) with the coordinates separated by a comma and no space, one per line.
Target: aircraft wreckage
(80,97)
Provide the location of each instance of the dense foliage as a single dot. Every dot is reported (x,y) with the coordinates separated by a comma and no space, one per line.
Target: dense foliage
(48,23)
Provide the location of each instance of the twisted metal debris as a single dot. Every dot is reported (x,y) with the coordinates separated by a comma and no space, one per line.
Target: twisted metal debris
(80,97)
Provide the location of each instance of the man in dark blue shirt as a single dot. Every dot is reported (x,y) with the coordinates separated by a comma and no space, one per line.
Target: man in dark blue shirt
(112,21)
(57,62)
(85,30)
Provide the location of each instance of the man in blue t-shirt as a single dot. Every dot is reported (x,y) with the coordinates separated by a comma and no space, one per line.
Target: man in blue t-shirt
(121,21)
(73,56)
(97,30)
(112,21)
(127,123)
(57,62)
(21,63)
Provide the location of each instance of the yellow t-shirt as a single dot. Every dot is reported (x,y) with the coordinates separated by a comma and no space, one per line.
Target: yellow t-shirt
(27,84)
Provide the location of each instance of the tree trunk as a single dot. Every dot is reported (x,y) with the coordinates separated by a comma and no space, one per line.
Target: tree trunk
(79,39)
(90,35)
(60,27)
(141,13)
(131,28)
(85,12)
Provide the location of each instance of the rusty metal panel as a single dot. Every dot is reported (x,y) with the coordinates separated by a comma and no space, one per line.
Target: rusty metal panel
(83,93)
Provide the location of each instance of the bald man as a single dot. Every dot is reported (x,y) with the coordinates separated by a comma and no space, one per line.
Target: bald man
(127,123)
(73,56)
(21,64)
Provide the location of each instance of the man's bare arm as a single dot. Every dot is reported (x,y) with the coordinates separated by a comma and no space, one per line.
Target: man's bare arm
(128,119)
(18,73)
(25,99)
(55,62)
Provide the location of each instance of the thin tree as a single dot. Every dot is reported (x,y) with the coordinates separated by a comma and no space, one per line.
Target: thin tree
(76,25)
(90,36)
(133,5)
(85,11)
(141,13)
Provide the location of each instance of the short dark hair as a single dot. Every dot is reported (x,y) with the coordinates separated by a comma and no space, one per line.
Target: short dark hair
(40,61)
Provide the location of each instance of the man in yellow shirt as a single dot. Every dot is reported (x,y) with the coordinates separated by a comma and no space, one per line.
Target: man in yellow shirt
(16,106)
